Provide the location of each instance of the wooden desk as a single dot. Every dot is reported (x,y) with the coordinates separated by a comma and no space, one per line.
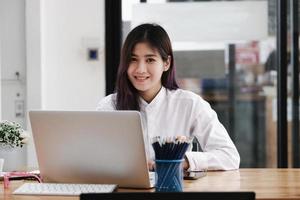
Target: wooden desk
(279,184)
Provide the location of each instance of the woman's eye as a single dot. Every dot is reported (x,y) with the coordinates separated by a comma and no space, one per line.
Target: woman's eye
(133,60)
(150,60)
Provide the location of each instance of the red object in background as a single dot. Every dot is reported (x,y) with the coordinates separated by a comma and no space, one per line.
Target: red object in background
(247,53)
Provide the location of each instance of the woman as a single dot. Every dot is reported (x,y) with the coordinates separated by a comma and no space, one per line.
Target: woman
(146,83)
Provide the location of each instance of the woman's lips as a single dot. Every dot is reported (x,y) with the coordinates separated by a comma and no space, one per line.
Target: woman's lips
(141,78)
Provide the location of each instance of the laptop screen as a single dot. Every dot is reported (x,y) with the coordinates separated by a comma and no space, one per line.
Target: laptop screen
(105,147)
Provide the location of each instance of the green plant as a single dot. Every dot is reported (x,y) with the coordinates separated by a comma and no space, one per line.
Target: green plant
(12,134)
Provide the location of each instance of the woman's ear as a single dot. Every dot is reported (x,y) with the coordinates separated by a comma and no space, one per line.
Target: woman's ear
(167,64)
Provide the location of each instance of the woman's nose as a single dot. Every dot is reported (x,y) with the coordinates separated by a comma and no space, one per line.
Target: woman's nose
(141,67)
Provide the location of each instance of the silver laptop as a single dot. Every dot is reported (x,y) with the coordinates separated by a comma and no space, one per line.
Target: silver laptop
(91,147)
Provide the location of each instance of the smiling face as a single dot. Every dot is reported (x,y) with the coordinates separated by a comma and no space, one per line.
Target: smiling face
(145,70)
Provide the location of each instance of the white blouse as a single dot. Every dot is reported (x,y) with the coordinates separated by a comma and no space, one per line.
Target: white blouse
(181,112)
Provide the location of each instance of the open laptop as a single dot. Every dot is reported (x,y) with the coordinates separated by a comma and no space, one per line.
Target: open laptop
(91,147)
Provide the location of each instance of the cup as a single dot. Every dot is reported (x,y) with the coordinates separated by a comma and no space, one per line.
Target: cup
(168,175)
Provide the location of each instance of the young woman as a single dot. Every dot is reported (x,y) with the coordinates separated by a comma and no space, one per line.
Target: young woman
(146,83)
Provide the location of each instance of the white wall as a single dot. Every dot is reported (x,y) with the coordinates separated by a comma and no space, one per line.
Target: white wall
(34,67)
(0,87)
(13,59)
(33,54)
(59,74)
(68,26)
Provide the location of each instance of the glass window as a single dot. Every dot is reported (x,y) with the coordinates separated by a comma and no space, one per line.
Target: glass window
(239,82)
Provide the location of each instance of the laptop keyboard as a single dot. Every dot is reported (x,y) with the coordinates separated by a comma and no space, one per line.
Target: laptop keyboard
(63,189)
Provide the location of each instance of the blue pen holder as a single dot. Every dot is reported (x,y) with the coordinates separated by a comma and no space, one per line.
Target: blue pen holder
(169,175)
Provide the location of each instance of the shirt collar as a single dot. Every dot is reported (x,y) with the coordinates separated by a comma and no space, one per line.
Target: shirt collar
(155,102)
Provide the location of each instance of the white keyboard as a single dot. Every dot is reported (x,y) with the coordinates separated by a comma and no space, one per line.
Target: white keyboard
(63,189)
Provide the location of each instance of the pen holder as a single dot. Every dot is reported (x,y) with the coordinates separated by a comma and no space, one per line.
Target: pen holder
(169,175)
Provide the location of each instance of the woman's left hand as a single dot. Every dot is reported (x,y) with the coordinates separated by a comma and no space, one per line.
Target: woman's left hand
(151,165)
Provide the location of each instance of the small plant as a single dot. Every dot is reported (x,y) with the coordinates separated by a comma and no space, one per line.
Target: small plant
(12,134)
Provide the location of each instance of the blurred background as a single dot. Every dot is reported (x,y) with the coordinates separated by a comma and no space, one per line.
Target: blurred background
(55,55)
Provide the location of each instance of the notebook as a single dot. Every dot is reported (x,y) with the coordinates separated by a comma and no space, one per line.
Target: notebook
(102,147)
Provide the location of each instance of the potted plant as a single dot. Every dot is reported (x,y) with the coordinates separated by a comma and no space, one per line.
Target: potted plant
(12,136)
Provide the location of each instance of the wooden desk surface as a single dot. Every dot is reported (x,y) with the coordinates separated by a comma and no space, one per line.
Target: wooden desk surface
(268,184)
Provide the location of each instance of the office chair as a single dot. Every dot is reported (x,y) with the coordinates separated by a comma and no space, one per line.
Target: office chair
(170,196)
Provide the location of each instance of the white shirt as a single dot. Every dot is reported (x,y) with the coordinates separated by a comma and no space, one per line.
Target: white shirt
(181,112)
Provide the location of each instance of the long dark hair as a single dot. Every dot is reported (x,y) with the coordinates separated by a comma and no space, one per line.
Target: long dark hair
(157,37)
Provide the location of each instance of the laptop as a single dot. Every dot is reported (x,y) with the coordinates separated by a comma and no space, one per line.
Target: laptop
(171,196)
(103,147)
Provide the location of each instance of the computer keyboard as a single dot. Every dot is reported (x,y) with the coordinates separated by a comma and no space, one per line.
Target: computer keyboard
(63,189)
